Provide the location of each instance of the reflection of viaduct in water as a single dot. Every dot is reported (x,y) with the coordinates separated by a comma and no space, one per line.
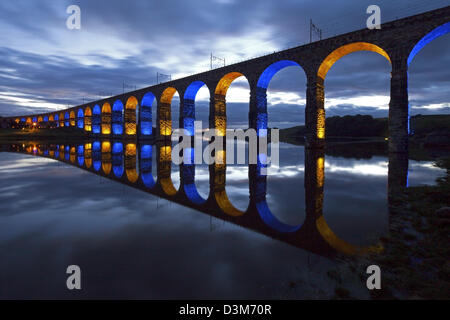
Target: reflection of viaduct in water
(130,163)
(130,114)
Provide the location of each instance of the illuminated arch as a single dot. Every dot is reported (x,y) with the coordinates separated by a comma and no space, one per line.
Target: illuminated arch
(130,162)
(88,155)
(146,114)
(96,119)
(117,118)
(72,154)
(189,106)
(80,119)
(40,119)
(130,116)
(72,118)
(263,83)
(220,124)
(106,118)
(61,119)
(88,119)
(96,155)
(261,204)
(29,121)
(80,155)
(434,34)
(165,160)
(188,167)
(165,115)
(106,157)
(146,166)
(340,52)
(45,118)
(117,159)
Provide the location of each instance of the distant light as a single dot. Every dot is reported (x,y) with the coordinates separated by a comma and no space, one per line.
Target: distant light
(34,124)
(386,139)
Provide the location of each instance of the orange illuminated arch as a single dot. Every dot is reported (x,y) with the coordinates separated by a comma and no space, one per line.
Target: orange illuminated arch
(72,118)
(88,155)
(130,116)
(29,121)
(40,119)
(106,118)
(88,119)
(72,154)
(61,119)
(345,50)
(165,117)
(51,118)
(165,159)
(130,162)
(225,82)
(106,157)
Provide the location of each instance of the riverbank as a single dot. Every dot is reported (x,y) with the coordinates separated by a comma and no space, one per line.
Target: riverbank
(415,262)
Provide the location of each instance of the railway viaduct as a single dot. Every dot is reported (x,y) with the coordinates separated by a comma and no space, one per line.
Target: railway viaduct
(397,41)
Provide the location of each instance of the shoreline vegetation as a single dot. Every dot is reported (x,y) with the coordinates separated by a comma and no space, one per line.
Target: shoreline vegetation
(415,262)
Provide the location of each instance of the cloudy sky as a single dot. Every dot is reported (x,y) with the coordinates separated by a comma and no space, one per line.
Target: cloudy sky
(46,66)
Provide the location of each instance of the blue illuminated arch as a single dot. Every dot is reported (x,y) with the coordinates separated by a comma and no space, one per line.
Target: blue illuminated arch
(263,83)
(66,119)
(436,33)
(23,120)
(188,176)
(96,155)
(146,166)
(261,204)
(80,155)
(45,118)
(117,117)
(146,114)
(117,159)
(80,119)
(34,119)
(267,75)
(96,119)
(67,153)
(189,106)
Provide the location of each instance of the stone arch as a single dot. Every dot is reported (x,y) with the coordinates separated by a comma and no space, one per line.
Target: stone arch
(117,118)
(131,162)
(67,119)
(80,119)
(130,115)
(106,157)
(220,124)
(146,121)
(117,159)
(72,118)
(106,118)
(164,112)
(96,119)
(146,158)
(344,50)
(432,35)
(88,119)
(188,119)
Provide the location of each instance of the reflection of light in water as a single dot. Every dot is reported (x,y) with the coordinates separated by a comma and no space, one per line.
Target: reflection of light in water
(372,169)
(423,173)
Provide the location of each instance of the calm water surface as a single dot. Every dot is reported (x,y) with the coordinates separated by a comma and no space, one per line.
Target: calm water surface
(132,244)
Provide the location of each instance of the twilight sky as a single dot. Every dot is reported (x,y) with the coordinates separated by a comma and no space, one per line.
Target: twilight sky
(46,67)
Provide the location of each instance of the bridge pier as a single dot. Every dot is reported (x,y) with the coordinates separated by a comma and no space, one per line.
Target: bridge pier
(315,113)
(399,105)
